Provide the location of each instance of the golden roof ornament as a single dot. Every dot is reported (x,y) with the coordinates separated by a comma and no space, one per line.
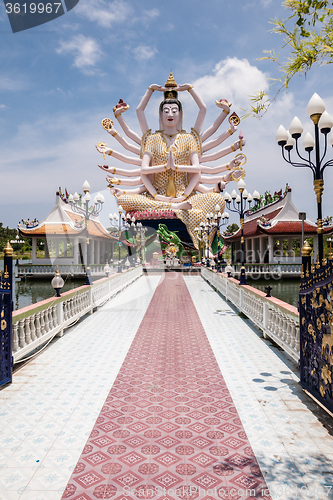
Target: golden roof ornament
(170,81)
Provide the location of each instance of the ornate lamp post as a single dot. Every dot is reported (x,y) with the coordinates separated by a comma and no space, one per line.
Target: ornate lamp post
(200,235)
(140,238)
(81,206)
(323,123)
(120,217)
(57,282)
(225,218)
(239,207)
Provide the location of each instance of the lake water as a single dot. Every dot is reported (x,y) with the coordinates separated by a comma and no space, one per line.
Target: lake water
(286,290)
(31,291)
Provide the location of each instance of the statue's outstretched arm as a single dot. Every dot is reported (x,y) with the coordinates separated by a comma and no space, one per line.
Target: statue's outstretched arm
(221,138)
(219,185)
(132,135)
(236,162)
(213,128)
(119,156)
(119,192)
(127,182)
(140,110)
(202,106)
(130,147)
(120,171)
(222,152)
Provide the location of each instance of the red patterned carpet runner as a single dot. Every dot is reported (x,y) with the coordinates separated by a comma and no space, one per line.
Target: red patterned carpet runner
(168,429)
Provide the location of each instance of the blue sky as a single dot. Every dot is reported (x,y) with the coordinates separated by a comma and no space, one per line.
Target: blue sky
(59,80)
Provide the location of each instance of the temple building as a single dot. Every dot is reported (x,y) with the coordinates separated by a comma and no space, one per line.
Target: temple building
(62,237)
(273,233)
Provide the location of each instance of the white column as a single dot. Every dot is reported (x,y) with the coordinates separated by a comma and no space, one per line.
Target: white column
(98,252)
(34,250)
(76,258)
(56,243)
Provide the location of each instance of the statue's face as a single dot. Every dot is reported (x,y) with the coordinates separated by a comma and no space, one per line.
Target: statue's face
(170,115)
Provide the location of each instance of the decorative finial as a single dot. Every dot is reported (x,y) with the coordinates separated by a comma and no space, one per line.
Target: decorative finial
(306,249)
(170,81)
(8,249)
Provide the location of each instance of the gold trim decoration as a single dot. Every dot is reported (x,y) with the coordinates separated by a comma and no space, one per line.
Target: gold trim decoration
(3,324)
(110,152)
(318,186)
(243,162)
(190,87)
(306,249)
(114,133)
(170,81)
(150,88)
(233,149)
(107,123)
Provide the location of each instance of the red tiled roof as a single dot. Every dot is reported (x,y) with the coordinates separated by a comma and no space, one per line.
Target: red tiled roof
(288,227)
(251,227)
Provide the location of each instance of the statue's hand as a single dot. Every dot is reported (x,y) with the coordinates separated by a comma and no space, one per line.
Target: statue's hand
(165,199)
(170,163)
(237,173)
(116,192)
(111,130)
(223,104)
(103,149)
(183,87)
(237,143)
(108,169)
(236,162)
(159,88)
(219,186)
(179,199)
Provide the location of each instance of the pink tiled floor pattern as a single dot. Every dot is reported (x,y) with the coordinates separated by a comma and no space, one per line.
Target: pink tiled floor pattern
(169,428)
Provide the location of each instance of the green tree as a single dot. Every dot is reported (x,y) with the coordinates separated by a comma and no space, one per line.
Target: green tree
(307,36)
(232,228)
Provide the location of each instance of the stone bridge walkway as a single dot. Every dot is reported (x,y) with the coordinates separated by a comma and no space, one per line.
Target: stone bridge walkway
(166,394)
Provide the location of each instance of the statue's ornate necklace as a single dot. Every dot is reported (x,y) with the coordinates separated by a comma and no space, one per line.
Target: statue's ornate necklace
(170,136)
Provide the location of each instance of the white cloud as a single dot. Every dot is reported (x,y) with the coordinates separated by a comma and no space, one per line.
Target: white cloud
(233,79)
(7,83)
(105,13)
(144,52)
(85,50)
(3,106)
(153,13)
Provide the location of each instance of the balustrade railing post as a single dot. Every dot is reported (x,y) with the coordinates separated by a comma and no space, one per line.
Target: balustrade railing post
(22,333)
(60,316)
(90,299)
(15,337)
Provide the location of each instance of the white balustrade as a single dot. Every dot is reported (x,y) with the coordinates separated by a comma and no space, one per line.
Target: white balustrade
(45,269)
(32,328)
(278,320)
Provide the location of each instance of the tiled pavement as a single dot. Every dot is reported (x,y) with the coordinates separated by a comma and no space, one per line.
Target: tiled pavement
(48,413)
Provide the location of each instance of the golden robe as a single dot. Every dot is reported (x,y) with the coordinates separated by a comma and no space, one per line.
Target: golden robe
(173,183)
